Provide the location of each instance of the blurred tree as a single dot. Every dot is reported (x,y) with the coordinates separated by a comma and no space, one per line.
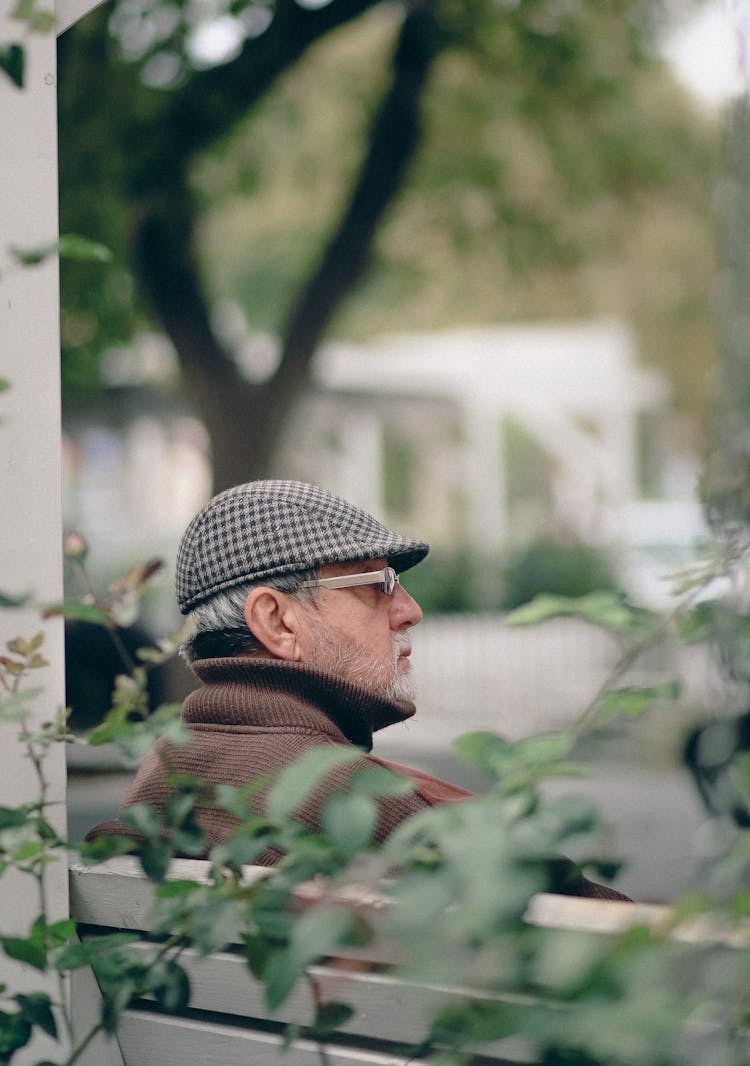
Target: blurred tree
(556,568)
(533,114)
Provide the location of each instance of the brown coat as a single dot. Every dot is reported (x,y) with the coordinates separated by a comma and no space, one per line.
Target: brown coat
(254,716)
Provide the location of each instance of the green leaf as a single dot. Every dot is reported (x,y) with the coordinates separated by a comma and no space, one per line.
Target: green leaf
(543,748)
(59,933)
(237,800)
(632,701)
(105,847)
(519,762)
(42,22)
(29,850)
(114,729)
(170,986)
(72,246)
(257,951)
(295,783)
(483,750)
(238,851)
(36,641)
(46,832)
(143,818)
(33,256)
(472,1022)
(81,612)
(217,923)
(90,951)
(39,929)
(316,933)
(175,889)
(15,707)
(280,975)
(380,781)
(12,601)
(117,997)
(319,932)
(36,1006)
(163,724)
(25,950)
(155,856)
(15,1033)
(23,10)
(69,246)
(697,624)
(606,609)
(12,817)
(12,61)
(179,809)
(330,1016)
(293,1031)
(4,386)
(349,820)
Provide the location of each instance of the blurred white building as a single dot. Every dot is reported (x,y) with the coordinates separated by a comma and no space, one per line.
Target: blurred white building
(472,438)
(484,434)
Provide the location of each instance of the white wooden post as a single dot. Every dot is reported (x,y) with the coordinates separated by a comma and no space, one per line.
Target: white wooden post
(30,522)
(30,454)
(484,481)
(30,512)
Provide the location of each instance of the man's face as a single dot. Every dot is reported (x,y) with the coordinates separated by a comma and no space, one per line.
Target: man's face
(361,635)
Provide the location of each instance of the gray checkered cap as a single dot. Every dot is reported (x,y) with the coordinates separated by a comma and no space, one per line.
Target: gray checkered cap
(267,528)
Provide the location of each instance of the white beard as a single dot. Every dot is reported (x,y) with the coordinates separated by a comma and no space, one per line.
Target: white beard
(355,662)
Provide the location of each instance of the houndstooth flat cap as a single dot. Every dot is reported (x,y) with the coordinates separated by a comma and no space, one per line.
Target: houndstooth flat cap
(266,528)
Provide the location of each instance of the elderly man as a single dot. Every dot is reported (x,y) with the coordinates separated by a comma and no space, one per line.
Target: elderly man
(301,638)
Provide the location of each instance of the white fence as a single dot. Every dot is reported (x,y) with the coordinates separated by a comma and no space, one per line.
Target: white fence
(478,672)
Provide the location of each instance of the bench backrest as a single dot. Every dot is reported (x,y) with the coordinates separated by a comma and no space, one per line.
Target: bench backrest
(228,1021)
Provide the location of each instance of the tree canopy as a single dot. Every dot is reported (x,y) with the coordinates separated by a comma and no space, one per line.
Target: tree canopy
(377,164)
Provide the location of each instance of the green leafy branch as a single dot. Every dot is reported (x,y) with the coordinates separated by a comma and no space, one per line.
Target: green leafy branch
(28,840)
(67,246)
(36,19)
(639,631)
(709,604)
(452,886)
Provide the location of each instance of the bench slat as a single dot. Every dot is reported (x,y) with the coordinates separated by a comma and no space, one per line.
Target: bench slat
(159,1040)
(222,984)
(116,893)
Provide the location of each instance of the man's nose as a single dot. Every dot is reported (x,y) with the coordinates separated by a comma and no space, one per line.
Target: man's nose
(405,611)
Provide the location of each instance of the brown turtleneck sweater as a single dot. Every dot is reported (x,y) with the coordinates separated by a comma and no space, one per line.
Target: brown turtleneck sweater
(254,716)
(251,717)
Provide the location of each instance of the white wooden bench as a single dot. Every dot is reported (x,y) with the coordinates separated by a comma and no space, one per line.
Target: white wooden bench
(228,1023)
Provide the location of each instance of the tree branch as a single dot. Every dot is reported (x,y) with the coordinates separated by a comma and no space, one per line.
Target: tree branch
(394,138)
(213,100)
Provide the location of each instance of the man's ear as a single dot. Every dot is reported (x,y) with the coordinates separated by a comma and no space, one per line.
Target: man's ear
(273,619)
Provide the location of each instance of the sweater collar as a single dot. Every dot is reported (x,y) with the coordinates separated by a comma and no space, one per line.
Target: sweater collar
(273,692)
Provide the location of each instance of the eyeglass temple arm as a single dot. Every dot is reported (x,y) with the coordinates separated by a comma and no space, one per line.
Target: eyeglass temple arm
(346,580)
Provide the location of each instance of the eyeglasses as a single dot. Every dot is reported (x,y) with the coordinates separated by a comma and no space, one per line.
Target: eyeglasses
(387,579)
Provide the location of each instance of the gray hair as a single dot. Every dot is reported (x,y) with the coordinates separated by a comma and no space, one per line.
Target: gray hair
(219,629)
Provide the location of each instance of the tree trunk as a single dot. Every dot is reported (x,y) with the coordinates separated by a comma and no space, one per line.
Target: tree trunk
(394,138)
(240,417)
(245,421)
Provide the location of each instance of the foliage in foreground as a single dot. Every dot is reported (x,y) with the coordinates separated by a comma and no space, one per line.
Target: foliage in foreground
(459,877)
